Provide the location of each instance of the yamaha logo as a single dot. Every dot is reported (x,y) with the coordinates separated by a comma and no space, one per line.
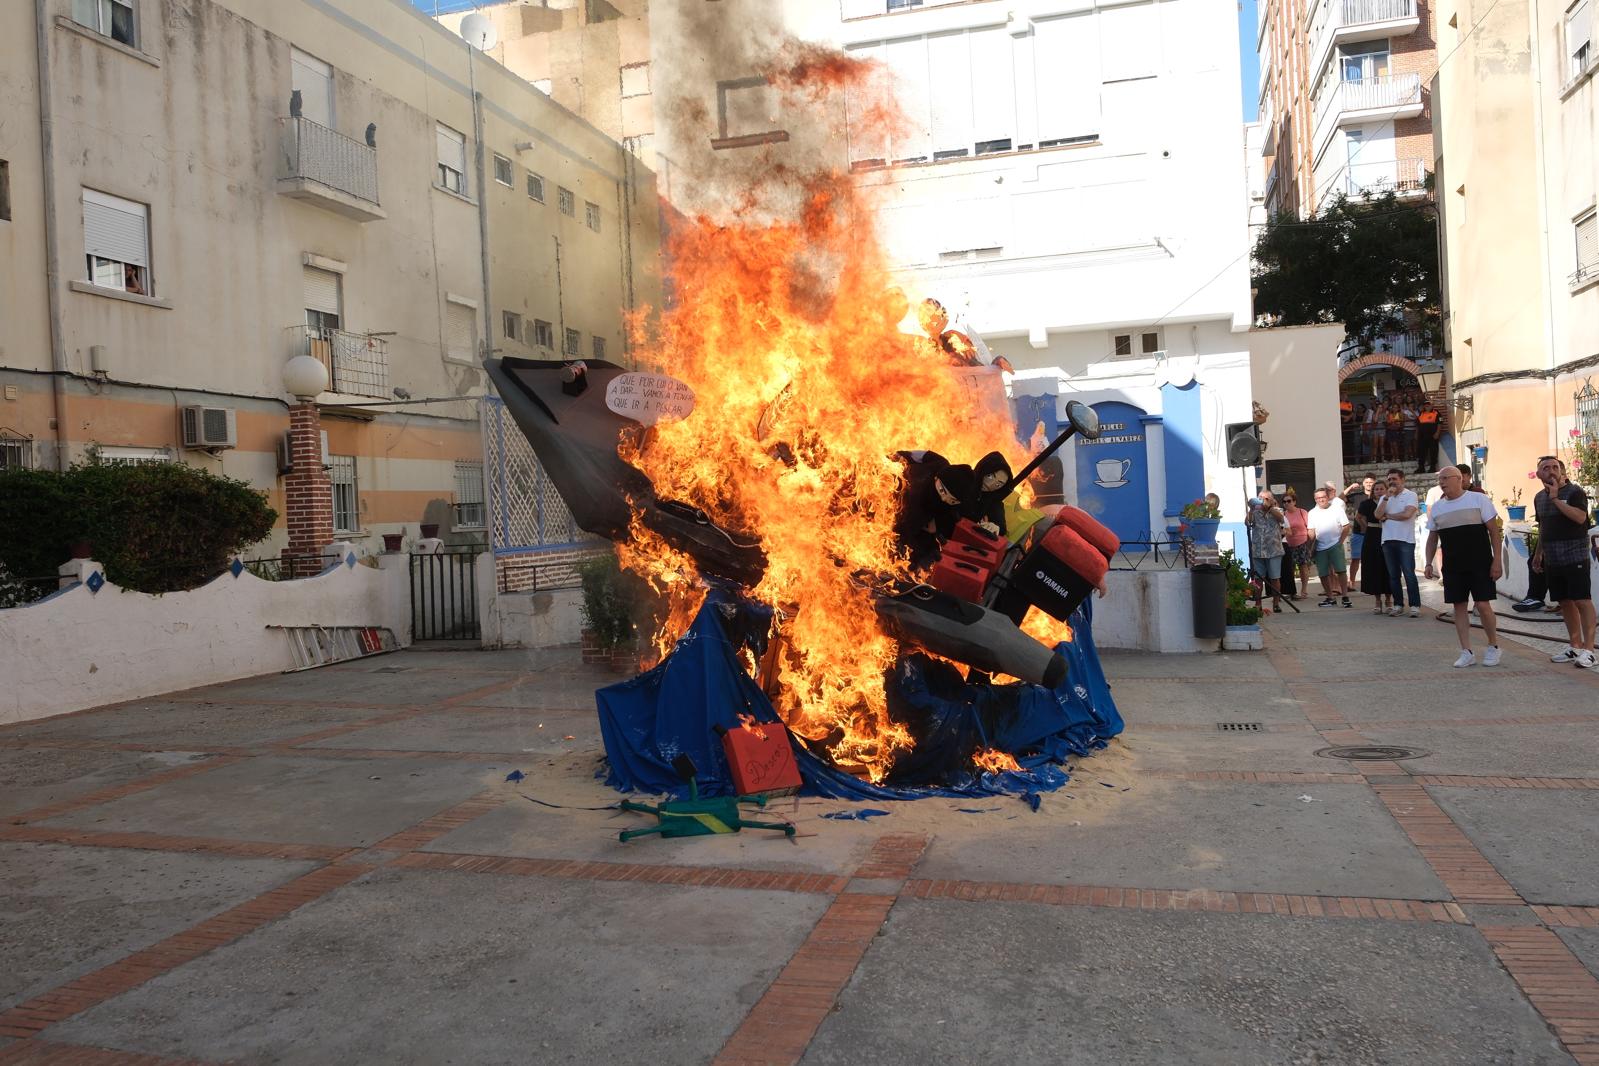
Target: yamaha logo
(1052,583)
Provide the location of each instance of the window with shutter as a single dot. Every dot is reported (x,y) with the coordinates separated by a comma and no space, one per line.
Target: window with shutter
(502,171)
(1586,228)
(591,216)
(468,494)
(313,79)
(116,242)
(460,332)
(543,333)
(993,91)
(323,310)
(535,188)
(1579,37)
(113,18)
(346,501)
(1067,79)
(452,159)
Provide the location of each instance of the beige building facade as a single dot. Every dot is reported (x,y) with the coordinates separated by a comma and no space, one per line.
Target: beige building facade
(1517,179)
(199,190)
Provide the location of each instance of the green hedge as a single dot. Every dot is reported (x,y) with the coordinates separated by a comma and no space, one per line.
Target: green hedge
(157,527)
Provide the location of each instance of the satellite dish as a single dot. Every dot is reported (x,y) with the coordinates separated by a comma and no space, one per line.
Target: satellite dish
(477,29)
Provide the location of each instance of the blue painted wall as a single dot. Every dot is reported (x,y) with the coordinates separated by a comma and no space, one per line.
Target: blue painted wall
(1185,448)
(1113,471)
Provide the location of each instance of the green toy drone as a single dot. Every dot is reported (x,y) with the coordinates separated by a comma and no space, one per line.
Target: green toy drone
(694,816)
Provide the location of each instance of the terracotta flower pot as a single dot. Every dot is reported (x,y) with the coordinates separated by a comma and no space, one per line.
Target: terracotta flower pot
(393,542)
(81,549)
(430,529)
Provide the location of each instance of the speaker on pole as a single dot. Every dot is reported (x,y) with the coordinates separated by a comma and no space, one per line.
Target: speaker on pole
(1243,444)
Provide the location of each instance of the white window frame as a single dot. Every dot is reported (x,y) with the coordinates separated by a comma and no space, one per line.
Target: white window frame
(566,199)
(1587,271)
(511,325)
(1577,37)
(344,481)
(591,215)
(635,80)
(469,494)
(450,174)
(16,453)
(112,271)
(313,67)
(574,343)
(535,186)
(543,334)
(98,15)
(502,164)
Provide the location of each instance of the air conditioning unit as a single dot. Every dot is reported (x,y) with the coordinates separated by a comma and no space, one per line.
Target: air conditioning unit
(286,452)
(209,427)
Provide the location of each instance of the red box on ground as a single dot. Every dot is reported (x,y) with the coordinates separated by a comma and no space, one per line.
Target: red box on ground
(762,759)
(960,578)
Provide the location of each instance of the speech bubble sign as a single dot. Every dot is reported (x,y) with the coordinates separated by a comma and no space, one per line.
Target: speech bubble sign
(649,398)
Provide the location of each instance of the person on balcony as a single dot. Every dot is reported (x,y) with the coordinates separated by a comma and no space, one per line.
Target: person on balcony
(1429,430)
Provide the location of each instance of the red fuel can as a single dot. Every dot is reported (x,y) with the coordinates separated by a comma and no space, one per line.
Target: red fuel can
(960,578)
(987,558)
(969,532)
(761,758)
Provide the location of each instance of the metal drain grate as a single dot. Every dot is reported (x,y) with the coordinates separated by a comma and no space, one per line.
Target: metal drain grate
(1239,727)
(1373,753)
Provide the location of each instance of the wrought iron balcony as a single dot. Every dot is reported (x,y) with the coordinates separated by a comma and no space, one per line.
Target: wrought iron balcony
(329,169)
(1402,177)
(358,364)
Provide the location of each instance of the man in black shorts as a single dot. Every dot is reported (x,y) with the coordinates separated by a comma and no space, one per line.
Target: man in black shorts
(1465,522)
(1562,510)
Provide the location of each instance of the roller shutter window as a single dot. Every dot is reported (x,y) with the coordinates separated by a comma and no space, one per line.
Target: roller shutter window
(1579,37)
(452,159)
(460,332)
(314,80)
(1587,228)
(116,242)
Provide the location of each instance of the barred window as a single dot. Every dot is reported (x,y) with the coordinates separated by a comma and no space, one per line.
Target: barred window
(591,215)
(16,453)
(567,201)
(573,340)
(599,347)
(468,494)
(346,503)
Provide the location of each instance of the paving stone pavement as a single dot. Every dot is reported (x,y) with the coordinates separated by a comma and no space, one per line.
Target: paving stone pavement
(330,866)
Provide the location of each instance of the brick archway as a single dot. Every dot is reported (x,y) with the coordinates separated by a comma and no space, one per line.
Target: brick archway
(1387,359)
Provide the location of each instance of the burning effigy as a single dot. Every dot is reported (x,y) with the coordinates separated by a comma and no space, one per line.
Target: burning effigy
(834,511)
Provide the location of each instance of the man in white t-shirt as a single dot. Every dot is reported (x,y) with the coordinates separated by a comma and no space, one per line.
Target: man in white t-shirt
(1466,523)
(1329,524)
(1397,508)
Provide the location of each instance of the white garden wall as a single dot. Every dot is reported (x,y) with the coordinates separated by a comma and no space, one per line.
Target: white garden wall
(82,648)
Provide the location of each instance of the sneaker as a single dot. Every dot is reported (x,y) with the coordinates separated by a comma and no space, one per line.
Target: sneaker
(1415,612)
(1466,659)
(1393,612)
(1567,656)
(1347,603)
(1553,608)
(1528,604)
(1586,660)
(1328,602)
(1490,656)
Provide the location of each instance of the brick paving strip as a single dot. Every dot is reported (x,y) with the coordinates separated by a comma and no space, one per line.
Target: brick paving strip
(576,870)
(46,1053)
(1555,981)
(116,792)
(780,1026)
(39,1013)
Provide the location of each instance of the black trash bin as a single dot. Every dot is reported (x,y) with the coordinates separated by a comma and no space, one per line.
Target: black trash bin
(1210,602)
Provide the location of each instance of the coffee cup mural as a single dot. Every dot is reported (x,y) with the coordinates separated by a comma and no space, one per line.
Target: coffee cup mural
(1111,473)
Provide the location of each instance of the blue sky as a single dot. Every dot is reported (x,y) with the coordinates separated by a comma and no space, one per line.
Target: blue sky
(1251,64)
(1246,44)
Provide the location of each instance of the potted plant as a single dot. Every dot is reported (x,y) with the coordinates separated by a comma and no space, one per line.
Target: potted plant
(1515,510)
(1243,617)
(1201,519)
(611,603)
(393,542)
(430,530)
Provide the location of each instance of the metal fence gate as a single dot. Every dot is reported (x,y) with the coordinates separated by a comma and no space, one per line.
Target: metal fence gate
(444,603)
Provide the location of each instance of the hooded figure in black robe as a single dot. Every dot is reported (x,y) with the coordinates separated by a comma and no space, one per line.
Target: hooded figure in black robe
(988,503)
(935,496)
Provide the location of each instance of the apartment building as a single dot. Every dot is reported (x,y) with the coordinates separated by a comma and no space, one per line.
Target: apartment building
(192,192)
(1345,99)
(1069,184)
(1518,173)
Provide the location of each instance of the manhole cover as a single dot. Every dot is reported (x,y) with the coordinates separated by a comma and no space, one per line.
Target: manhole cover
(1238,727)
(1373,753)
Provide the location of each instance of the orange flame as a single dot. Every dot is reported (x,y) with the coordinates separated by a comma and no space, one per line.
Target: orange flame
(748,723)
(1044,629)
(993,762)
(786,328)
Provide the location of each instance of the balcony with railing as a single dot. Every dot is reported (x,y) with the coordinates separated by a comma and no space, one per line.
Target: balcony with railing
(1360,100)
(1336,22)
(1402,177)
(326,168)
(357,363)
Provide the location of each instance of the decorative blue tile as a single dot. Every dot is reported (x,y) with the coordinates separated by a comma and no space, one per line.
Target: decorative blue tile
(236,567)
(349,560)
(96,579)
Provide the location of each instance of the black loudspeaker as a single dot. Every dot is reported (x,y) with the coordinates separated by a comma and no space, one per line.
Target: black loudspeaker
(1243,444)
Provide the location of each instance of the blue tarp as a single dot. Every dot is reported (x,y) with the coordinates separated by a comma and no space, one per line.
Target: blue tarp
(650,720)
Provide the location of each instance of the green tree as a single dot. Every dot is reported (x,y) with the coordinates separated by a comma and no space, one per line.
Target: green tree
(1371,264)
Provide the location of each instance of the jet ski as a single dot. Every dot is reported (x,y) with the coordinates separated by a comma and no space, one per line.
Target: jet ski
(575,435)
